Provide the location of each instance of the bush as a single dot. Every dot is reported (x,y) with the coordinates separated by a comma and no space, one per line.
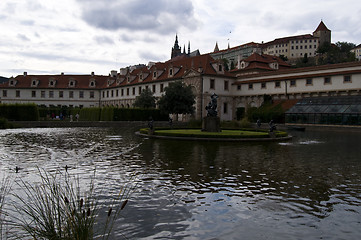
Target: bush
(4,124)
(245,123)
(19,112)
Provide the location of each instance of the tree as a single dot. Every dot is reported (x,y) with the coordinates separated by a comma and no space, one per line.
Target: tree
(335,53)
(178,99)
(145,99)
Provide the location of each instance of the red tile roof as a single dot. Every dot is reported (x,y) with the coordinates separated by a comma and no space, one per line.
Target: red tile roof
(60,81)
(321,27)
(180,66)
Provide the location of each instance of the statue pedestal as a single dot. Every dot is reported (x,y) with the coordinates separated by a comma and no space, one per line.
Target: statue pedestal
(211,124)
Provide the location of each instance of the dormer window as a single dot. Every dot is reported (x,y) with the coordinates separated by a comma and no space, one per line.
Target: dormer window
(71,83)
(52,83)
(92,83)
(140,77)
(154,74)
(12,83)
(220,67)
(171,72)
(243,65)
(128,79)
(34,82)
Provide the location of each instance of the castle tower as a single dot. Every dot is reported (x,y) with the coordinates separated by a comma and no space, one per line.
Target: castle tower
(323,33)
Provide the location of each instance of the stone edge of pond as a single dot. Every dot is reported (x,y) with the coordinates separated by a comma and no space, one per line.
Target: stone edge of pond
(217,139)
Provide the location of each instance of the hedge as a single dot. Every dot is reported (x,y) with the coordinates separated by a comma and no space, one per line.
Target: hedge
(19,112)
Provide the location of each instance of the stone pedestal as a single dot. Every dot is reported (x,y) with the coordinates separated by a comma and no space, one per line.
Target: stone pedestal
(211,124)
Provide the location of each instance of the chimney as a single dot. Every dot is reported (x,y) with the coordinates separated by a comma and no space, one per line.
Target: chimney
(113,73)
(25,74)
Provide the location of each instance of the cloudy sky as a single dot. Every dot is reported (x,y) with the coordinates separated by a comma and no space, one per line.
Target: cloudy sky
(83,36)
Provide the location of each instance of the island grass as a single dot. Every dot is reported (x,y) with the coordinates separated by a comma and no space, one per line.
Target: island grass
(225,133)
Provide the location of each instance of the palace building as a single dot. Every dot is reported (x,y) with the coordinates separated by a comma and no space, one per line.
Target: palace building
(245,86)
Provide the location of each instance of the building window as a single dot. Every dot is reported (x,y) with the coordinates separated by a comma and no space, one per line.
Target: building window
(225,85)
(92,83)
(277,84)
(112,93)
(42,94)
(171,72)
(238,87)
(133,91)
(91,94)
(327,80)
(5,93)
(211,84)
(33,93)
(309,81)
(153,88)
(293,83)
(117,93)
(51,94)
(17,93)
(154,74)
(220,67)
(107,93)
(71,94)
(250,86)
(122,92)
(61,94)
(139,90)
(347,79)
(263,85)
(127,91)
(225,107)
(103,94)
(162,88)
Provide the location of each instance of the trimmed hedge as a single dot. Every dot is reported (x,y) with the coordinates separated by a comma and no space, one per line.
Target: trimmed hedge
(19,112)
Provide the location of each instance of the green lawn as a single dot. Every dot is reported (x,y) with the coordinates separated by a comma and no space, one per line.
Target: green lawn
(199,132)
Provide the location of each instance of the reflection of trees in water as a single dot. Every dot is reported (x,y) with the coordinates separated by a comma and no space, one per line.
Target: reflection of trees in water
(258,171)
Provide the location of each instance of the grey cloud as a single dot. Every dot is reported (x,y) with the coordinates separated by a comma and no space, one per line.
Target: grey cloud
(161,16)
(23,37)
(149,56)
(27,22)
(103,40)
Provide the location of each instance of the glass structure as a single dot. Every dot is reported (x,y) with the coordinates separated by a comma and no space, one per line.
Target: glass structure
(345,110)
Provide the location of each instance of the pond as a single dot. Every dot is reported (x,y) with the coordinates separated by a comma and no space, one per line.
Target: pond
(306,188)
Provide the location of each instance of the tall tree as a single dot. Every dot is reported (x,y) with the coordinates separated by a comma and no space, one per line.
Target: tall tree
(178,99)
(145,99)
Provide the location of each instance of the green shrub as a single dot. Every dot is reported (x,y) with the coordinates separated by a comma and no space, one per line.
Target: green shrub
(19,112)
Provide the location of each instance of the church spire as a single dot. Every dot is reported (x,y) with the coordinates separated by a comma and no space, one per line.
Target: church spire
(216,49)
(176,50)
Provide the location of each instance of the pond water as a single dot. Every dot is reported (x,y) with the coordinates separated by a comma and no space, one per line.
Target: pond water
(306,188)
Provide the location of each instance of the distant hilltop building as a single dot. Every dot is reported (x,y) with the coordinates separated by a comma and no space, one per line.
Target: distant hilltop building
(298,46)
(292,47)
(177,51)
(357,52)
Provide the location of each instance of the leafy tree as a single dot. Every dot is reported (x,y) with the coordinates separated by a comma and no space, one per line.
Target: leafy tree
(283,57)
(145,99)
(335,53)
(178,99)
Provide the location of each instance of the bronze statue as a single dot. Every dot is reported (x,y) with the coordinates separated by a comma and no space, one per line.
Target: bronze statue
(212,106)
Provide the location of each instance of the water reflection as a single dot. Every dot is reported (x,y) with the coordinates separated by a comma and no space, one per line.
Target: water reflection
(208,190)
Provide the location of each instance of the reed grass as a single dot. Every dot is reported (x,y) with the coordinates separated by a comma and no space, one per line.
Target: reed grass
(5,188)
(58,207)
